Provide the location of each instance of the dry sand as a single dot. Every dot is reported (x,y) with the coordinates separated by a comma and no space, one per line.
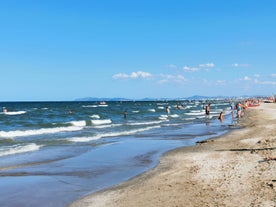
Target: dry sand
(237,169)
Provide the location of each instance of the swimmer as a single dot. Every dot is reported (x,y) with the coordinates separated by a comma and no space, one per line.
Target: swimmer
(221,117)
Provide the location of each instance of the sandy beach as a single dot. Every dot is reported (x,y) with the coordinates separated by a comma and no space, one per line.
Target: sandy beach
(237,169)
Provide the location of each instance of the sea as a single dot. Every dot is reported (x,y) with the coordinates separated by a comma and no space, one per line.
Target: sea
(52,153)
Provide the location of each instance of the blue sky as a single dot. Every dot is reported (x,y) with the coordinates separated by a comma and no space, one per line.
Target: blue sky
(66,49)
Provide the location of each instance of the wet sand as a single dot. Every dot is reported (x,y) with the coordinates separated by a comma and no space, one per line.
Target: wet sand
(237,169)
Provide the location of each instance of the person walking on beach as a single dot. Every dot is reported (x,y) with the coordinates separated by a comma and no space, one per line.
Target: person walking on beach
(207,109)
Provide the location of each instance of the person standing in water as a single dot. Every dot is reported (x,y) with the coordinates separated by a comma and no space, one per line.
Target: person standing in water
(168,110)
(125,114)
(207,109)
(221,117)
(233,110)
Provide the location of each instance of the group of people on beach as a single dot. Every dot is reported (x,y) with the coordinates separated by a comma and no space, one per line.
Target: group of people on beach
(240,109)
(208,109)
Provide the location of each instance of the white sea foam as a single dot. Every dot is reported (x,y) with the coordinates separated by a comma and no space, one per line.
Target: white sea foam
(216,113)
(144,123)
(174,115)
(20,133)
(106,126)
(195,113)
(10,150)
(191,118)
(163,117)
(14,112)
(89,106)
(151,110)
(135,111)
(103,121)
(84,139)
(113,134)
(95,116)
(78,123)
(201,117)
(103,105)
(161,107)
(205,117)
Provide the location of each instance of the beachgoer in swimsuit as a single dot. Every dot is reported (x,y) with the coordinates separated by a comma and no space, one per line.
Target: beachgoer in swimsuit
(239,110)
(221,117)
(207,109)
(167,110)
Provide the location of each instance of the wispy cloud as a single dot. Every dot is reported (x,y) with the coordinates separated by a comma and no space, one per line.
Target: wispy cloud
(207,65)
(246,78)
(190,69)
(165,78)
(240,65)
(265,82)
(133,75)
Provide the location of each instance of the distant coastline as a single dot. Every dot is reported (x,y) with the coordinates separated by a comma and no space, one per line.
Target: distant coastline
(118,99)
(195,97)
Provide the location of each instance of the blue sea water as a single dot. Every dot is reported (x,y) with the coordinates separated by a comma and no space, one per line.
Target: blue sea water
(50,157)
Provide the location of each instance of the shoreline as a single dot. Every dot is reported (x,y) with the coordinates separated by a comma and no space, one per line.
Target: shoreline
(231,170)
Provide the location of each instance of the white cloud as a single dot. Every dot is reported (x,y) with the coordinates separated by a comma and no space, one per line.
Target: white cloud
(133,75)
(120,76)
(190,69)
(246,78)
(165,78)
(207,65)
(273,75)
(240,65)
(200,67)
(140,74)
(257,76)
(265,82)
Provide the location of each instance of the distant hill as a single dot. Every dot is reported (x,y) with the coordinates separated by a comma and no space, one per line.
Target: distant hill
(195,97)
